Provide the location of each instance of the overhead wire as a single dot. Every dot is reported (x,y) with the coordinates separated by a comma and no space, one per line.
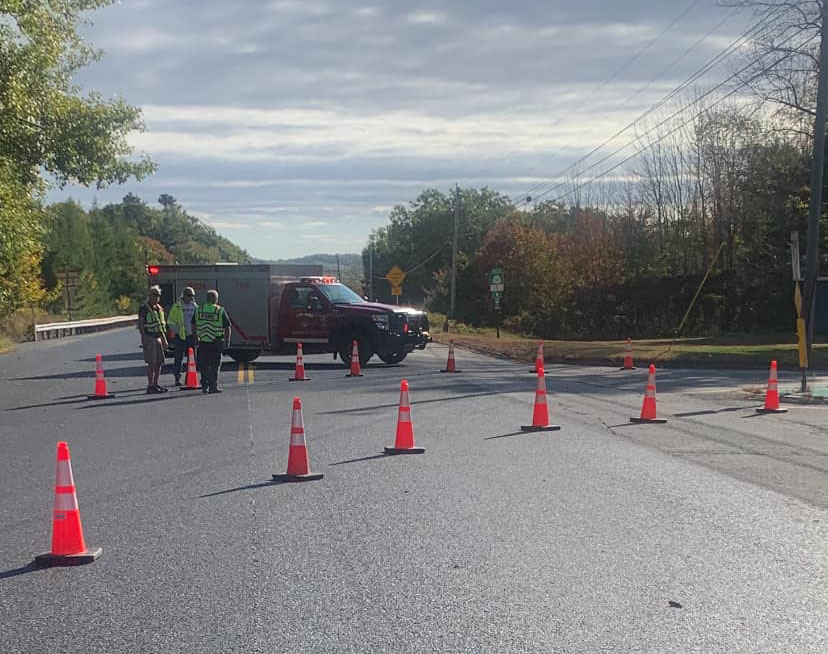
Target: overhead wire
(611,78)
(667,134)
(644,88)
(726,52)
(641,117)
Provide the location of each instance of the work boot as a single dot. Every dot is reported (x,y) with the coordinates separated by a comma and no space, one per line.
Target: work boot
(178,380)
(216,389)
(151,390)
(160,389)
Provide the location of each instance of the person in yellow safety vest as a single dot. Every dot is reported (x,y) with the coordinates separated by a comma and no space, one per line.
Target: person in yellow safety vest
(153,327)
(180,323)
(212,330)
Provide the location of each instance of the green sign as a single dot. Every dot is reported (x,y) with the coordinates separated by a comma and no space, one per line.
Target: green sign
(496,281)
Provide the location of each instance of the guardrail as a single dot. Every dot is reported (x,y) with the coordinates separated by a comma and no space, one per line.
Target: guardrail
(61,329)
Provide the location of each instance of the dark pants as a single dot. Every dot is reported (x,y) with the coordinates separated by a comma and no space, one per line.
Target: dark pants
(180,346)
(209,358)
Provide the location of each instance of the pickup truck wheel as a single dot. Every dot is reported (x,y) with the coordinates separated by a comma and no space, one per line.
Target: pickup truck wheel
(392,357)
(366,351)
(243,356)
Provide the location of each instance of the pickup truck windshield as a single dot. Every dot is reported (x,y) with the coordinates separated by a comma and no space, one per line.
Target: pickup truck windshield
(340,294)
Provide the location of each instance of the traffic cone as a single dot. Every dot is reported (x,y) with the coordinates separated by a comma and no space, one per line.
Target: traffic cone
(451,366)
(356,371)
(539,359)
(100,382)
(68,546)
(191,380)
(298,467)
(628,357)
(648,409)
(772,395)
(299,373)
(404,443)
(540,412)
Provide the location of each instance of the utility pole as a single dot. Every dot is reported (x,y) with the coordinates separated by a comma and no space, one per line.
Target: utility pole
(371,270)
(454,257)
(815,205)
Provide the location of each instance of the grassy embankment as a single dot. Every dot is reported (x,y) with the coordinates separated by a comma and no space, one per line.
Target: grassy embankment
(732,350)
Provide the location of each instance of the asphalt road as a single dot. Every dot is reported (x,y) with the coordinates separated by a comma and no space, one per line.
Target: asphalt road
(492,541)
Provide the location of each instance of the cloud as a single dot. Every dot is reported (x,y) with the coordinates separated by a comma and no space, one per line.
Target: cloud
(294,112)
(426,18)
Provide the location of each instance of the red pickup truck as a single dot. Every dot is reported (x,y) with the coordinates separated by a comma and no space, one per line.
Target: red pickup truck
(272,307)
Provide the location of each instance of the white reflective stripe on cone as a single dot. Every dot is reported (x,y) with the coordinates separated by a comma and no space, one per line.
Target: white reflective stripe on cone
(297,439)
(66,502)
(404,415)
(63,475)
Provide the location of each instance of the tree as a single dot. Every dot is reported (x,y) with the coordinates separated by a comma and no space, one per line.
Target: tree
(46,125)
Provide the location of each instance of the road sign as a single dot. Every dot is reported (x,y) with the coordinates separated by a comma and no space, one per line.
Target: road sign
(395,276)
(396,290)
(69,278)
(496,281)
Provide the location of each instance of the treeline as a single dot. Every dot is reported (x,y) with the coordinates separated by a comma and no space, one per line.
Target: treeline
(106,251)
(626,257)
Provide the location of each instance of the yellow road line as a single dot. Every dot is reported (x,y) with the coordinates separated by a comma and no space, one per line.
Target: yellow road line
(249,373)
(240,374)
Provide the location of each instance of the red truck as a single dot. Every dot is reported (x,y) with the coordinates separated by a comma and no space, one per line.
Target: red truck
(272,307)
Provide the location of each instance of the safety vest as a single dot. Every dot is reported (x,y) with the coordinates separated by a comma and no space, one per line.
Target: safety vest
(176,319)
(154,322)
(210,323)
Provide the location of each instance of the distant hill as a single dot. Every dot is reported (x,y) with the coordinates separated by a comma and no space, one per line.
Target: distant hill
(350,265)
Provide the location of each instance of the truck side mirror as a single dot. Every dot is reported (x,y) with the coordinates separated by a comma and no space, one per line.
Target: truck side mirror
(315,305)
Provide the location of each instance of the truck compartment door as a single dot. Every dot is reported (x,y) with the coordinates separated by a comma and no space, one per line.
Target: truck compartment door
(246,302)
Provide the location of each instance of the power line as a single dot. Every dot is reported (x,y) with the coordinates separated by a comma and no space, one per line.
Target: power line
(646,113)
(726,52)
(658,75)
(609,79)
(669,133)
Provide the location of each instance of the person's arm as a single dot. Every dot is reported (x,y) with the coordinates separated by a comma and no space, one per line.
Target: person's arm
(142,319)
(227,330)
(193,326)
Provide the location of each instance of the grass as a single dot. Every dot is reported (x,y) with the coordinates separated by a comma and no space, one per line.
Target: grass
(17,327)
(732,350)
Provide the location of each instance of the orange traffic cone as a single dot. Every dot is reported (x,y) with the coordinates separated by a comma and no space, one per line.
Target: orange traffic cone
(404,443)
(299,373)
(540,412)
(628,357)
(772,395)
(356,371)
(191,380)
(451,365)
(68,546)
(539,359)
(298,467)
(648,409)
(100,381)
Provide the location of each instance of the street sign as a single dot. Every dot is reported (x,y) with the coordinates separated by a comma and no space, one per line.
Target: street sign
(396,290)
(395,276)
(496,281)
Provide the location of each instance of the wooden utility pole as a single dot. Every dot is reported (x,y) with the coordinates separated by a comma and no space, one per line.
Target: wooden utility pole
(815,204)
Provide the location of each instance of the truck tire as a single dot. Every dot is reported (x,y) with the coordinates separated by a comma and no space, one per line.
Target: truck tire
(366,349)
(392,357)
(243,356)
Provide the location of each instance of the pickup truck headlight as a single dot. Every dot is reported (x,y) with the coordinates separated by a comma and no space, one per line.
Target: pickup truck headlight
(381,320)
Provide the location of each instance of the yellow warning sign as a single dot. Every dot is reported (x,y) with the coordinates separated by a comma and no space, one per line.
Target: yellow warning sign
(395,276)
(396,290)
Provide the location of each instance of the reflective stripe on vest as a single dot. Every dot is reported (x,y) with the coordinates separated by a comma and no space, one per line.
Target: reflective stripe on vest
(210,322)
(154,320)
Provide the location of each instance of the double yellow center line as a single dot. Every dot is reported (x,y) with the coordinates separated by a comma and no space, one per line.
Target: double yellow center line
(240,373)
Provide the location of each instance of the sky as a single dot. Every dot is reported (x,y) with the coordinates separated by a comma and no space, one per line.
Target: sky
(294,126)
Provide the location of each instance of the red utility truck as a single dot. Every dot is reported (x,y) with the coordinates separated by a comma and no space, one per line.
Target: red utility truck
(272,307)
